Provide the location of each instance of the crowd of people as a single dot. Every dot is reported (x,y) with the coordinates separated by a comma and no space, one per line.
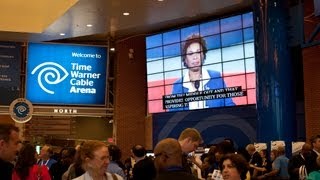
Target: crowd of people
(173,159)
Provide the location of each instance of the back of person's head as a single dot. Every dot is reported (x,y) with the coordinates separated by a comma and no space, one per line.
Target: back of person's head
(26,159)
(115,152)
(250,149)
(226,147)
(238,161)
(5,131)
(77,167)
(138,151)
(168,153)
(190,133)
(306,149)
(193,38)
(212,149)
(67,155)
(275,153)
(281,150)
(230,141)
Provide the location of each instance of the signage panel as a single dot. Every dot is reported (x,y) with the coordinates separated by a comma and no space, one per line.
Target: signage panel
(66,74)
(10,65)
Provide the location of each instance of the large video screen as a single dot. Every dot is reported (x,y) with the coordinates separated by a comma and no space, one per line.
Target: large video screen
(60,74)
(205,65)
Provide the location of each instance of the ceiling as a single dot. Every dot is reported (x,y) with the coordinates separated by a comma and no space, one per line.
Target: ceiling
(44,20)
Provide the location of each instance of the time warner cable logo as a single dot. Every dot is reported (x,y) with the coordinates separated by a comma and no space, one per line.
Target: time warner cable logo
(50,73)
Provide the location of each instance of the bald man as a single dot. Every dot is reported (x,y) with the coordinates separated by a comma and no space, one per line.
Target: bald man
(298,160)
(168,161)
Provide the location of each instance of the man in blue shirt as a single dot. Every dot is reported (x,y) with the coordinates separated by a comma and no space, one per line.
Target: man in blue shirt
(280,165)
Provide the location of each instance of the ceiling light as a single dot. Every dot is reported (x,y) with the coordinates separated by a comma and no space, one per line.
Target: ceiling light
(126,14)
(89,25)
(160,0)
(112,49)
(62,34)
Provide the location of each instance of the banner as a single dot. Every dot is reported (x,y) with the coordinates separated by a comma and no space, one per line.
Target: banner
(10,67)
(66,74)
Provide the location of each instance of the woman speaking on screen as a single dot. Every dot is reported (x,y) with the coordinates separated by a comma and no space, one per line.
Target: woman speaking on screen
(197,78)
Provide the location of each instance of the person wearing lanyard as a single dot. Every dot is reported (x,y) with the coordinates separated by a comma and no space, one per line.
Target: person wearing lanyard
(45,156)
(168,161)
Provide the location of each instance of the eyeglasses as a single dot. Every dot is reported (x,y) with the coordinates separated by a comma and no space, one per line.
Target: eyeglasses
(103,158)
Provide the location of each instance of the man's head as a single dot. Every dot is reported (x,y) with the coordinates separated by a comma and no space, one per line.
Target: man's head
(115,152)
(315,142)
(9,142)
(138,151)
(189,140)
(251,149)
(167,154)
(194,52)
(95,157)
(46,152)
(306,149)
(281,150)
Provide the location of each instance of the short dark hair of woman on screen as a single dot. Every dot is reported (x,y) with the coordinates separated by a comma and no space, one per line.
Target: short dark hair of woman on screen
(194,39)
(234,166)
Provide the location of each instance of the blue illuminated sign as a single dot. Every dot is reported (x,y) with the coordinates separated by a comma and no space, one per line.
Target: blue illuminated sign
(66,74)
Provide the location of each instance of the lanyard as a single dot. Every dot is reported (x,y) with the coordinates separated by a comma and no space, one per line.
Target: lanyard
(42,162)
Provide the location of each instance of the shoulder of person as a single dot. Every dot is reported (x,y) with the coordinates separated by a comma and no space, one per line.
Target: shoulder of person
(178,81)
(114,176)
(213,73)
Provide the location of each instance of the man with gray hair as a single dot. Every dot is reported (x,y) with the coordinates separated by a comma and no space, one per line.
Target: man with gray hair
(255,158)
(9,146)
(280,166)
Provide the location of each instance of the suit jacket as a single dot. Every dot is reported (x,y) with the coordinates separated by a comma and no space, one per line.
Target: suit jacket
(295,162)
(215,82)
(144,170)
(311,163)
(6,169)
(255,160)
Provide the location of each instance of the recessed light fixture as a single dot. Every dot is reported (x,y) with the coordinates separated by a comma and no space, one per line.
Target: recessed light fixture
(89,25)
(126,14)
(160,0)
(62,34)
(112,49)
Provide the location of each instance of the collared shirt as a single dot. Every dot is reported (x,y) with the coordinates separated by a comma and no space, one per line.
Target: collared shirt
(204,79)
(47,163)
(113,167)
(281,164)
(316,152)
(6,169)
